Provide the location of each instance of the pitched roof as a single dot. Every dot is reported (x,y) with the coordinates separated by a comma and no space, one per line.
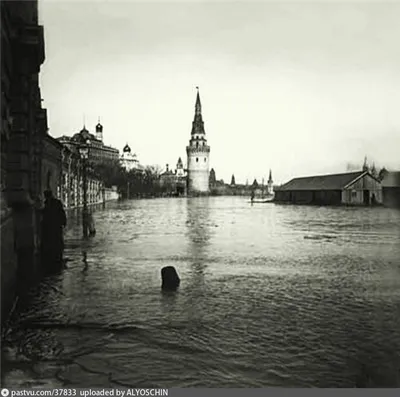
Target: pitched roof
(391,179)
(322,182)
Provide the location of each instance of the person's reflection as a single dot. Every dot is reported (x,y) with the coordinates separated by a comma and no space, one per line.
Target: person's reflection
(85,262)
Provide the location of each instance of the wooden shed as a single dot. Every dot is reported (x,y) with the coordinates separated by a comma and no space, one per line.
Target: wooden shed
(352,188)
(391,189)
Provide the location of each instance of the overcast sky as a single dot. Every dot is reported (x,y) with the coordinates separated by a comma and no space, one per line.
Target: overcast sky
(298,87)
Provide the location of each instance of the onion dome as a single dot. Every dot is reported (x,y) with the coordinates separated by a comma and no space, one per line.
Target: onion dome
(126,149)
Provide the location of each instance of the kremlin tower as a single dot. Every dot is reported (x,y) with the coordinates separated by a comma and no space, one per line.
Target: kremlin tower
(198,153)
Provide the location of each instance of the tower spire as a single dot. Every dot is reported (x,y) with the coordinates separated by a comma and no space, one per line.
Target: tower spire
(198,103)
(198,153)
(198,124)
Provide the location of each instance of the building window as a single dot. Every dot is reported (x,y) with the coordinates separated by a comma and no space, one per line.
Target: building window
(197,159)
(205,159)
(197,144)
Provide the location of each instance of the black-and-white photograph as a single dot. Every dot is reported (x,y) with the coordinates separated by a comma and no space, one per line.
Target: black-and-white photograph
(199,194)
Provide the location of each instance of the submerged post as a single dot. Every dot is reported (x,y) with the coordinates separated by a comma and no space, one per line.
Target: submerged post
(170,278)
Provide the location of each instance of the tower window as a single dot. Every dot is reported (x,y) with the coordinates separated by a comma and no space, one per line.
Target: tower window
(197,144)
(205,159)
(197,159)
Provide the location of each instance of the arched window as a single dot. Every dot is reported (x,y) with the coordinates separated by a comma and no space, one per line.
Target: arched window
(197,144)
(205,159)
(197,159)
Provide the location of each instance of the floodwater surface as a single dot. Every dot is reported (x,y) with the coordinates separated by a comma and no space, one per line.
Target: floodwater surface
(271,295)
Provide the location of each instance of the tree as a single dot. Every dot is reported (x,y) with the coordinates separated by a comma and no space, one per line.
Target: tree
(110,172)
(213,178)
(373,171)
(382,173)
(365,165)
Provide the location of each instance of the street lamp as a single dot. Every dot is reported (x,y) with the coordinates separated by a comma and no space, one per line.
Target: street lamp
(84,154)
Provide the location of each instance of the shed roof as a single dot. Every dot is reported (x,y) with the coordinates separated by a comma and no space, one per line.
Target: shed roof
(391,179)
(322,182)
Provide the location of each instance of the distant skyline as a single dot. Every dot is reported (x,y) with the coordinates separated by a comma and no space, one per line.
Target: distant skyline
(301,88)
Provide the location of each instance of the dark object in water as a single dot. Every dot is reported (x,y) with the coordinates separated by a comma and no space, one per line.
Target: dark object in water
(170,278)
(91,226)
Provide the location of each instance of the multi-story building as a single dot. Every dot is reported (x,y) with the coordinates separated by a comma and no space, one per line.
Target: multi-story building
(23,128)
(198,153)
(129,160)
(99,152)
(350,188)
(174,183)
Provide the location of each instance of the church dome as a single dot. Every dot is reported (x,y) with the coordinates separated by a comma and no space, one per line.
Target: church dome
(126,149)
(83,135)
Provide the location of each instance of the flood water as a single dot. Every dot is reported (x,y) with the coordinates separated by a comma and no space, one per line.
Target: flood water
(270,295)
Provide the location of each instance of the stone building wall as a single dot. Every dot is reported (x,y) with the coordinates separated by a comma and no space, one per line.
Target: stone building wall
(198,169)
(24,124)
(51,165)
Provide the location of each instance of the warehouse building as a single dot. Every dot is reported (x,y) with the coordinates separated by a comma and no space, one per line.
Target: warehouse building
(352,188)
(391,189)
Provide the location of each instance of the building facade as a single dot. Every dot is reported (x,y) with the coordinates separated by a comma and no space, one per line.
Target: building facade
(51,170)
(174,182)
(70,183)
(24,125)
(198,155)
(353,188)
(391,189)
(99,152)
(129,160)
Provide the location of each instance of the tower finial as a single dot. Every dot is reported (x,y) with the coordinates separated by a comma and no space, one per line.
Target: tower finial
(198,103)
(84,121)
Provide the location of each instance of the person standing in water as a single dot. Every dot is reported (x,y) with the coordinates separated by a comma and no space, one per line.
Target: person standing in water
(53,223)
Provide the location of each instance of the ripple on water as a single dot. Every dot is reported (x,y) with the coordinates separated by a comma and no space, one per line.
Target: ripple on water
(270,296)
